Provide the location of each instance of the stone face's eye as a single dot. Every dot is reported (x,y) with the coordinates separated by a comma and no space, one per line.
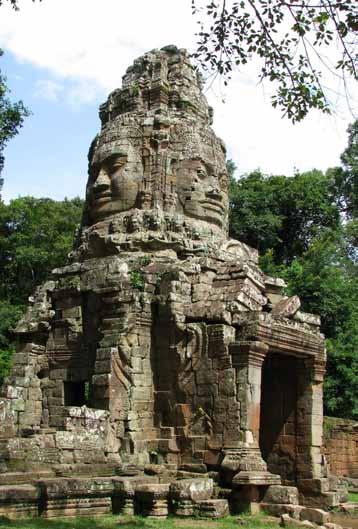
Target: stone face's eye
(201,172)
(114,165)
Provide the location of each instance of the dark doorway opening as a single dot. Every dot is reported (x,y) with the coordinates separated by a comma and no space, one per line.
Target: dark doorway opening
(278,421)
(75,393)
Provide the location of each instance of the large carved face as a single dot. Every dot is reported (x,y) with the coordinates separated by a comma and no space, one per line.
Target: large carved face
(113,183)
(202,191)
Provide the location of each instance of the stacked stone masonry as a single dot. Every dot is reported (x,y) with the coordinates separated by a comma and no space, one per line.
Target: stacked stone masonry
(341,447)
(161,349)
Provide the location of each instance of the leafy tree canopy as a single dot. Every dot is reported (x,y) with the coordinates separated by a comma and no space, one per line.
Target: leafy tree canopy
(288,38)
(306,230)
(35,236)
(346,177)
(327,282)
(282,214)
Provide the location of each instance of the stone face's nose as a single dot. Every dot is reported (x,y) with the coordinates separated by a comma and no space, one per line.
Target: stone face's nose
(102,182)
(214,192)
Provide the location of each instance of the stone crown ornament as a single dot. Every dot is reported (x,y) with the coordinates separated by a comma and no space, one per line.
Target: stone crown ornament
(157,171)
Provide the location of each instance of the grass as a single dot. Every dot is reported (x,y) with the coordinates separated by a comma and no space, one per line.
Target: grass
(125,522)
(353,497)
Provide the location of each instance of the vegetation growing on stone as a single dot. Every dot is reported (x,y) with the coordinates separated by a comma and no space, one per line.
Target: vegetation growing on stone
(137,279)
(115,522)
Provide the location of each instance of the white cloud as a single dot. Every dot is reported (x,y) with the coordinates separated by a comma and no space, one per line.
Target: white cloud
(257,136)
(84,92)
(86,46)
(48,89)
(93,40)
(73,93)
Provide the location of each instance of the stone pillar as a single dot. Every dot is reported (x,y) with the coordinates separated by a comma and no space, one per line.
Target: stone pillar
(128,504)
(152,499)
(245,461)
(247,359)
(124,494)
(310,420)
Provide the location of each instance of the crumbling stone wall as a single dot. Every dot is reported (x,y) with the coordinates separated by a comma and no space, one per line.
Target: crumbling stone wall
(340,446)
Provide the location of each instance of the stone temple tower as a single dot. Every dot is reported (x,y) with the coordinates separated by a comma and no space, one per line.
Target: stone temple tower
(161,343)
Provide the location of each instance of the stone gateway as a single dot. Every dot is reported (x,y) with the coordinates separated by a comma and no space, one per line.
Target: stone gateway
(161,360)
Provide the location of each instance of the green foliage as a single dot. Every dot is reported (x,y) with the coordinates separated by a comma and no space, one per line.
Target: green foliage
(259,521)
(306,230)
(285,38)
(11,117)
(137,279)
(282,214)
(35,236)
(9,315)
(353,497)
(325,279)
(346,177)
(144,260)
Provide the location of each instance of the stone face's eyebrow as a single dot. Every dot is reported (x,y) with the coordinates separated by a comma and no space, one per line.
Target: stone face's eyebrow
(108,158)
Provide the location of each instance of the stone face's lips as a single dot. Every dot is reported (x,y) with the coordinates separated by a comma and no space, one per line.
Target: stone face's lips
(98,196)
(214,205)
(101,198)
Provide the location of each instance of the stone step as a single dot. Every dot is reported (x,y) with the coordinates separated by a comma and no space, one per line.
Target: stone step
(23,478)
(90,470)
(23,493)
(213,508)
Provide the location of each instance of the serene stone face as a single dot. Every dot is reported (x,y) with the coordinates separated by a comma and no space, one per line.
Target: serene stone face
(156,151)
(117,177)
(113,183)
(202,191)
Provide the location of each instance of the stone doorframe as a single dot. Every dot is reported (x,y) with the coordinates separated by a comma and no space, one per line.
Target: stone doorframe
(247,359)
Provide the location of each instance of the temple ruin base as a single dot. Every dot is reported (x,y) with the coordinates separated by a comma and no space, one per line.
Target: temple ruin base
(147,495)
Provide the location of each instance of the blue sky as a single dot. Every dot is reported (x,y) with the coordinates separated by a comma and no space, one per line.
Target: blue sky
(62,58)
(49,155)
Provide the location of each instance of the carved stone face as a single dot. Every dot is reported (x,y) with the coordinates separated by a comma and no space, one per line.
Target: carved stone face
(202,191)
(113,184)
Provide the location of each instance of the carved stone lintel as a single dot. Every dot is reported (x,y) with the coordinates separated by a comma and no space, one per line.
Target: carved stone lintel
(248,353)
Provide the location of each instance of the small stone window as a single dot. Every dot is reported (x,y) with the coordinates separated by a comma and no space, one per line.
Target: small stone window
(75,393)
